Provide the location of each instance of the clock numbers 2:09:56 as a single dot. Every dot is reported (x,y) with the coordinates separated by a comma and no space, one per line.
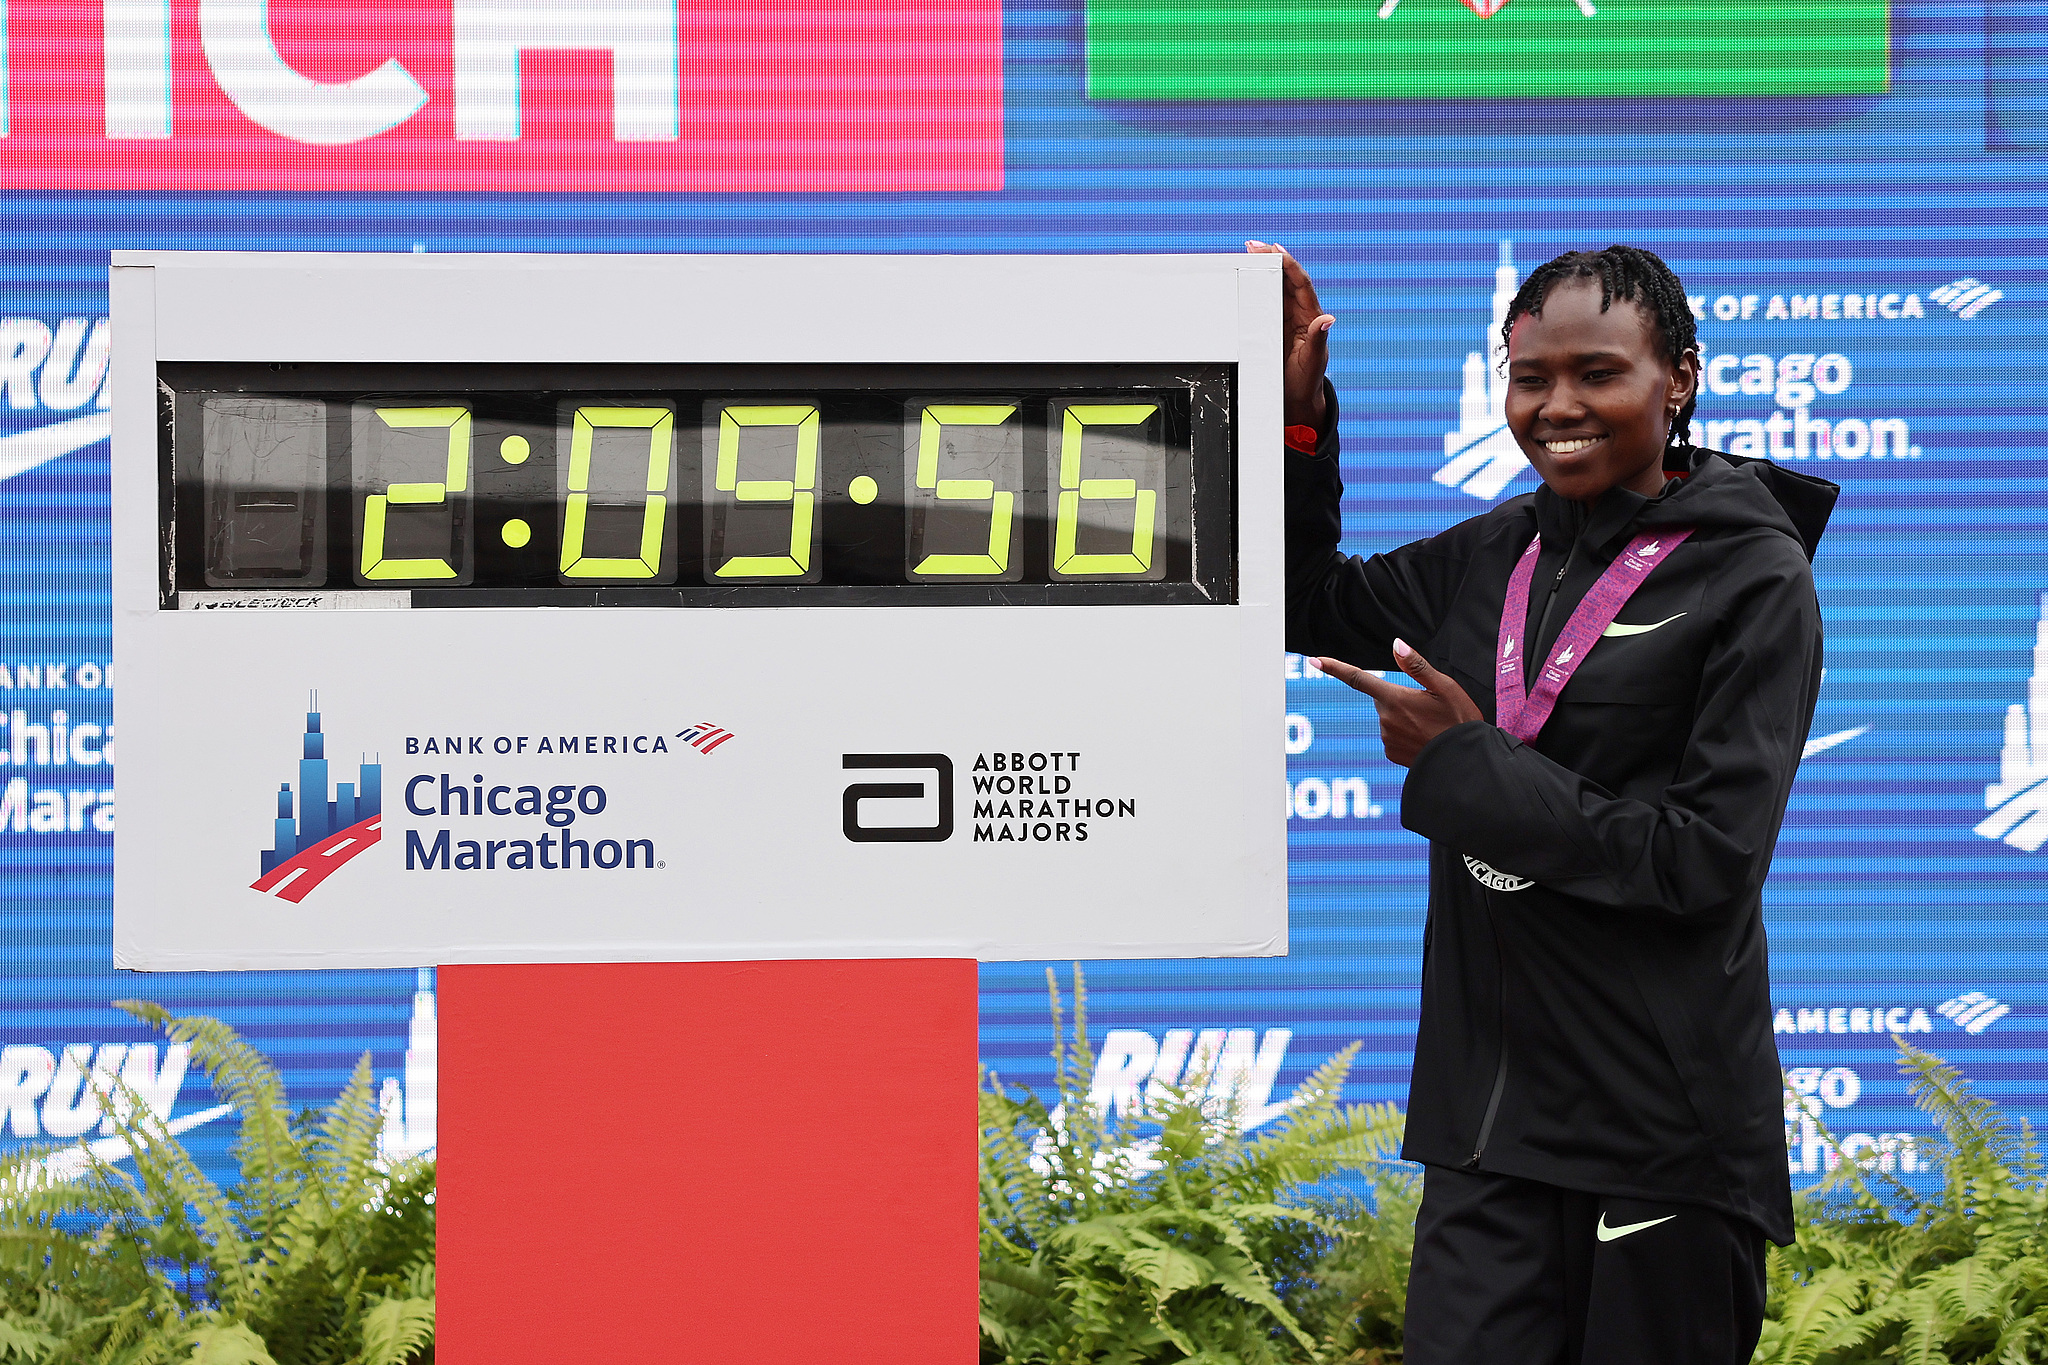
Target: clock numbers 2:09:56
(964,460)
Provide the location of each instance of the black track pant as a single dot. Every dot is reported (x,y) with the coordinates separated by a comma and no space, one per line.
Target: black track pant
(1513,1272)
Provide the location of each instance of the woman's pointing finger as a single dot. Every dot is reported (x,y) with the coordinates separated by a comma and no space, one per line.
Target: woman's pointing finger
(1359,679)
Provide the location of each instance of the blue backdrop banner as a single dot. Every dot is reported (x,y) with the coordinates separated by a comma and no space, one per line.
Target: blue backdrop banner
(1867,269)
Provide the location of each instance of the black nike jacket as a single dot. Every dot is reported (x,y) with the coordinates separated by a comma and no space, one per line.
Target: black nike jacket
(1595,1002)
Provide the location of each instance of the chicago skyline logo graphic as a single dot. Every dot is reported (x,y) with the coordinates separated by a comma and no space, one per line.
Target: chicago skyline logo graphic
(329,828)
(1480,454)
(2018,800)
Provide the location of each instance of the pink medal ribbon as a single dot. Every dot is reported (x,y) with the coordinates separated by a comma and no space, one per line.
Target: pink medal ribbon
(1523,714)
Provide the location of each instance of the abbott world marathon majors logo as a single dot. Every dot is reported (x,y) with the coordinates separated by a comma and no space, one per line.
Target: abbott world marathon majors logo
(1018,797)
(1787,402)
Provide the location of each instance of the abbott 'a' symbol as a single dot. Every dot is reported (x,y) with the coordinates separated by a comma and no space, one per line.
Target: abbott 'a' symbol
(940,826)
(329,830)
(2018,800)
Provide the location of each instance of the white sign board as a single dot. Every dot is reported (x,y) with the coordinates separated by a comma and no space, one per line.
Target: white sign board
(554,608)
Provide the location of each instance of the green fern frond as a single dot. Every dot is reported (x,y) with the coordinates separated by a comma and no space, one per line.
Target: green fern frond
(24,1340)
(1812,1313)
(2023,1341)
(1927,1328)
(273,1166)
(227,1343)
(395,1330)
(1972,1288)
(346,1150)
(171,1180)
(1977,1134)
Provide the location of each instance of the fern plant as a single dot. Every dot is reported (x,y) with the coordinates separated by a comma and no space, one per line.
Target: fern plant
(1167,1238)
(1961,1275)
(319,1256)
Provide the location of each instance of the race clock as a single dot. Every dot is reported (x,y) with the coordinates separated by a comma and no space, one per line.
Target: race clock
(607,608)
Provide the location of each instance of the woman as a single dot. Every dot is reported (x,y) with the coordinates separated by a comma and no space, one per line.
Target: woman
(1617,675)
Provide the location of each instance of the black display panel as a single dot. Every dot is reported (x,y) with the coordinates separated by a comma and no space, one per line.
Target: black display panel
(507,485)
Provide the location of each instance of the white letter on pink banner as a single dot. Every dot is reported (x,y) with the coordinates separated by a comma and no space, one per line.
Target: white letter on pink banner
(640,35)
(236,37)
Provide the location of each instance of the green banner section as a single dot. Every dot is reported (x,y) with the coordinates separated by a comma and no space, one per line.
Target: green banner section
(1443,49)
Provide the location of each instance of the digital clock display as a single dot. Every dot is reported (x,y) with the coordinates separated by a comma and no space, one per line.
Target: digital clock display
(505,485)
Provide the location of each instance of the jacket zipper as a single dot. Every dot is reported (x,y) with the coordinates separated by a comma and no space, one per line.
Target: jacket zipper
(1549,599)
(1500,1074)
(1500,1083)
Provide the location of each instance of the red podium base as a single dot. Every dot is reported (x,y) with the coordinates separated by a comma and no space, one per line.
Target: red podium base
(719,1162)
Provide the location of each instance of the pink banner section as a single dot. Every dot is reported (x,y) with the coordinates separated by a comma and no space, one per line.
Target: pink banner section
(502,95)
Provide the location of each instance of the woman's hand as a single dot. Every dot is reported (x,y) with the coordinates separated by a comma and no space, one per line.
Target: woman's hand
(1409,718)
(1304,339)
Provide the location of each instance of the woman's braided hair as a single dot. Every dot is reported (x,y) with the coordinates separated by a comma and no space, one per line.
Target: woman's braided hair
(1624,272)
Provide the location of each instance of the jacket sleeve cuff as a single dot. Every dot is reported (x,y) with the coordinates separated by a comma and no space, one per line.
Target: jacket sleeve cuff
(1442,780)
(1326,439)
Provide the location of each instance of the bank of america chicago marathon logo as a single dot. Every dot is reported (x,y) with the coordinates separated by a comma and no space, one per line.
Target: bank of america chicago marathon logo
(317,831)
(1481,458)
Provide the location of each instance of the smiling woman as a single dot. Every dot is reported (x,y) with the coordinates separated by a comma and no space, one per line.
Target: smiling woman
(1616,675)
(1596,392)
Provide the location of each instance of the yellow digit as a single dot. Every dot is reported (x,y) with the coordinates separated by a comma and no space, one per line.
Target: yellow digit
(376,506)
(659,424)
(799,492)
(1001,504)
(1073,488)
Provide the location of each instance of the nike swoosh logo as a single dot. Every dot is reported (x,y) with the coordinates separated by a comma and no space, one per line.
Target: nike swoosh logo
(1608,1234)
(1618,629)
(1820,742)
(24,450)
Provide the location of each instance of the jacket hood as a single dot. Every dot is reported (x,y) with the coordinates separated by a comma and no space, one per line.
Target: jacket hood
(1722,491)
(1738,491)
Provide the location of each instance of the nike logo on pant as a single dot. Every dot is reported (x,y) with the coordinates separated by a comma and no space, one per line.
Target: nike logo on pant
(1608,1234)
(1618,628)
